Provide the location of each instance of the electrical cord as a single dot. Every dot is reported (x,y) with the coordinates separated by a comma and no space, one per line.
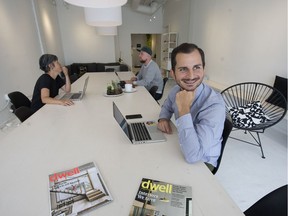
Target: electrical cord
(5,106)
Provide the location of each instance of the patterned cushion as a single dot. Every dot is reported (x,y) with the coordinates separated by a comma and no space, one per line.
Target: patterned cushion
(249,115)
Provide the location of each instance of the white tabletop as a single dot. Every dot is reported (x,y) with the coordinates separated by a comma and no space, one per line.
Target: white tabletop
(57,138)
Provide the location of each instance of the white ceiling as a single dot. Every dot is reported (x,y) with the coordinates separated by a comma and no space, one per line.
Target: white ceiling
(148,7)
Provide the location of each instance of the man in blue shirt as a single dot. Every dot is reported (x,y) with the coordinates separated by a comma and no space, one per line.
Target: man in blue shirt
(199,111)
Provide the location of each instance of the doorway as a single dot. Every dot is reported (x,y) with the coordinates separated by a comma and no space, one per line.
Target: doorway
(138,41)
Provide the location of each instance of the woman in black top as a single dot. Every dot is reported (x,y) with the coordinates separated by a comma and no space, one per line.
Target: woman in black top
(48,84)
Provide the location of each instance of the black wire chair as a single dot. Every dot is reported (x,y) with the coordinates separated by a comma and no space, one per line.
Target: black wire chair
(265,104)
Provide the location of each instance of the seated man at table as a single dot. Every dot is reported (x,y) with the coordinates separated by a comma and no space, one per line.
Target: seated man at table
(199,111)
(48,84)
(149,74)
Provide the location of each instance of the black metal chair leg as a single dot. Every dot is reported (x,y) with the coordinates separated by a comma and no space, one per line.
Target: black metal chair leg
(258,141)
(260,145)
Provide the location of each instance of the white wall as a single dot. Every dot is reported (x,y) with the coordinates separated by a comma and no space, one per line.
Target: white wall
(29,28)
(243,40)
(80,41)
(18,40)
(176,18)
(49,30)
(135,23)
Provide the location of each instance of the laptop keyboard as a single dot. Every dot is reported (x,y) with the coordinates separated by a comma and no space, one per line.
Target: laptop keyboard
(140,131)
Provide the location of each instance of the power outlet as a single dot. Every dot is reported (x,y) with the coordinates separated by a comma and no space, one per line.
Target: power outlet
(6,97)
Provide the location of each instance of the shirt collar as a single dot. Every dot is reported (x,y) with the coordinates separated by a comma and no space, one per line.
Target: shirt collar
(148,63)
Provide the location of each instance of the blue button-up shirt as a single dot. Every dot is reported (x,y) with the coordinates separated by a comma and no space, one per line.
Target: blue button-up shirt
(200,131)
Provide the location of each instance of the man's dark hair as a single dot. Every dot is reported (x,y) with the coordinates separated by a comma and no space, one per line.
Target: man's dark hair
(186,48)
(45,60)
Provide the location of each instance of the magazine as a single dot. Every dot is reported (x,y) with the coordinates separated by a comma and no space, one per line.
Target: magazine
(77,190)
(158,198)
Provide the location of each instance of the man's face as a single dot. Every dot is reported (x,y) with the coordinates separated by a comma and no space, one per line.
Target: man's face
(143,56)
(189,71)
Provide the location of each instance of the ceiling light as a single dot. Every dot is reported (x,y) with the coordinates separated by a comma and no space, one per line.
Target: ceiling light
(103,16)
(97,3)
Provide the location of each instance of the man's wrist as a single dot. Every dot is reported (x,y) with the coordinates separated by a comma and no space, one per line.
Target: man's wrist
(162,119)
(183,112)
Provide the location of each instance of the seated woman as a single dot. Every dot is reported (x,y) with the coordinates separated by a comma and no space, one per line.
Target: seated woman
(48,84)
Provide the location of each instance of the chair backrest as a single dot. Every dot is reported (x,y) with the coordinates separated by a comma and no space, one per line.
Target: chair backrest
(274,203)
(153,90)
(23,113)
(165,79)
(226,132)
(272,101)
(18,99)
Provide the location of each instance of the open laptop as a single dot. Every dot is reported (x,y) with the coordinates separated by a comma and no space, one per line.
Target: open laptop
(79,95)
(138,132)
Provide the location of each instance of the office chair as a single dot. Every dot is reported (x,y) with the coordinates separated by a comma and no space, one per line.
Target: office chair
(153,90)
(23,113)
(254,107)
(18,99)
(272,204)
(165,79)
(226,131)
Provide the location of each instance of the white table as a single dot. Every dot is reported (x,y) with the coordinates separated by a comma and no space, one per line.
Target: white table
(58,138)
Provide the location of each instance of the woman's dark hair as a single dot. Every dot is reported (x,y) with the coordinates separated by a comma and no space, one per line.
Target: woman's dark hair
(45,60)
(186,48)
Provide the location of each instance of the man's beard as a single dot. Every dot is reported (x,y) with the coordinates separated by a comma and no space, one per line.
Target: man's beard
(142,61)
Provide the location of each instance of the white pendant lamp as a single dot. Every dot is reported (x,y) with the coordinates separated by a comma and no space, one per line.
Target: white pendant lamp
(97,3)
(107,30)
(103,16)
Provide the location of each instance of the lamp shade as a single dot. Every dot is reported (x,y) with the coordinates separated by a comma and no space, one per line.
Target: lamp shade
(103,16)
(107,30)
(97,3)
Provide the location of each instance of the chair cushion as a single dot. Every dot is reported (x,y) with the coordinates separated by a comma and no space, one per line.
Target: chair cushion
(249,115)
(112,68)
(101,66)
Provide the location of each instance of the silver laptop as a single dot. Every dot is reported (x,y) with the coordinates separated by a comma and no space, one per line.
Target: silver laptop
(138,132)
(77,96)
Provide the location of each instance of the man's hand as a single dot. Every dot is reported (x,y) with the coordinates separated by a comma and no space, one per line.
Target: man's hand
(184,101)
(164,126)
(133,78)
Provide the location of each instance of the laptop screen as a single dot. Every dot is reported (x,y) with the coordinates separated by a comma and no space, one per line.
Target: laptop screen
(121,120)
(85,85)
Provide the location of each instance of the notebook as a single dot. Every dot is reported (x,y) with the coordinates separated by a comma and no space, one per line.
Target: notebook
(79,95)
(138,132)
